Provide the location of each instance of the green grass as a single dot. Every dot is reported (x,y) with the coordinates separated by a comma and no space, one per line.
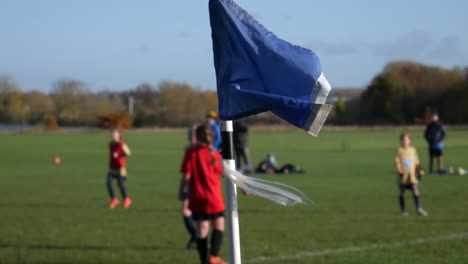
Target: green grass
(57,214)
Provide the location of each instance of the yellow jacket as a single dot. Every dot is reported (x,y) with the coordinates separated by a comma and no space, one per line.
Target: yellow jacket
(406,161)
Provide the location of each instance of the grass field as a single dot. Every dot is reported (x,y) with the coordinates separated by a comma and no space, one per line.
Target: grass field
(57,213)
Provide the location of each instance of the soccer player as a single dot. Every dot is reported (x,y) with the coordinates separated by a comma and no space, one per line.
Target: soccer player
(434,134)
(201,169)
(406,162)
(211,119)
(185,210)
(118,153)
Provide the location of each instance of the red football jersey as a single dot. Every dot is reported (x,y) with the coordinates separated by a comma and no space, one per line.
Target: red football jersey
(119,162)
(204,167)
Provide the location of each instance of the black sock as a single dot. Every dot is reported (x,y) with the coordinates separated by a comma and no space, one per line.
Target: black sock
(402,203)
(202,245)
(216,241)
(190,225)
(417,201)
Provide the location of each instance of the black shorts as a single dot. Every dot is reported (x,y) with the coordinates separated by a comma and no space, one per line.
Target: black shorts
(204,217)
(436,152)
(408,187)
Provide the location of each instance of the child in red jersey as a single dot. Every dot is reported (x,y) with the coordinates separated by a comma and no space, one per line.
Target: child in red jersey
(201,169)
(118,152)
(185,210)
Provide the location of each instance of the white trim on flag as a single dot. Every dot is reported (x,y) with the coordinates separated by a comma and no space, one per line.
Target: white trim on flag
(317,118)
(321,90)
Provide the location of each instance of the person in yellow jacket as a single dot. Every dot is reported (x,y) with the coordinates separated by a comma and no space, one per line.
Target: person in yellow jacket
(406,164)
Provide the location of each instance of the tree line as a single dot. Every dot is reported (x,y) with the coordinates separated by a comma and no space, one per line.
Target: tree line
(406,93)
(71,103)
(402,93)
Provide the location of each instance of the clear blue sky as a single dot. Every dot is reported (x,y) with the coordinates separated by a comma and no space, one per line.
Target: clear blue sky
(119,44)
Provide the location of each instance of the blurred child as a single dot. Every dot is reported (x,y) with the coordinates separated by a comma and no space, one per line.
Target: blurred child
(201,169)
(269,165)
(406,162)
(185,210)
(211,118)
(118,152)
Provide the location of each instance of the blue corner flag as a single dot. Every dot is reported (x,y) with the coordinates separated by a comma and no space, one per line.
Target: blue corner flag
(257,72)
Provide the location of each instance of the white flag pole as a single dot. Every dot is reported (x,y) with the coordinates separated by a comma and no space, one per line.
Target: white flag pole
(231,194)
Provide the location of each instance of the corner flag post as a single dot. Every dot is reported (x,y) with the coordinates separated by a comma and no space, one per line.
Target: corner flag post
(232,215)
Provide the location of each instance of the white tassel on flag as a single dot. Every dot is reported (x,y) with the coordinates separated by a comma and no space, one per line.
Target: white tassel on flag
(277,192)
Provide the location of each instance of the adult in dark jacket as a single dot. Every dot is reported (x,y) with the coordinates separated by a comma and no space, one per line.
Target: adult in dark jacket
(435,134)
(241,146)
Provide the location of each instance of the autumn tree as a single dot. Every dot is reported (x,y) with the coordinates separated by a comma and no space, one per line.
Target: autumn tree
(12,106)
(40,105)
(182,104)
(340,111)
(69,96)
(453,103)
(146,109)
(402,92)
